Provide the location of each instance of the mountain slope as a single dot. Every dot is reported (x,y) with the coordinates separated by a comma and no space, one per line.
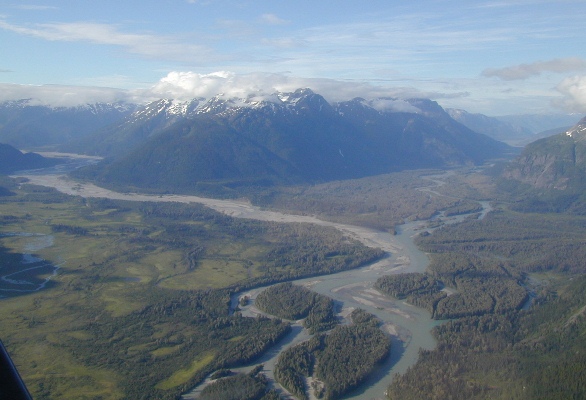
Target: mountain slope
(515,130)
(557,162)
(491,126)
(537,123)
(12,159)
(194,153)
(133,129)
(553,171)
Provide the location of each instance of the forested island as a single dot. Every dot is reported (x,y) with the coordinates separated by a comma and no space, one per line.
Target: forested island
(294,302)
(337,360)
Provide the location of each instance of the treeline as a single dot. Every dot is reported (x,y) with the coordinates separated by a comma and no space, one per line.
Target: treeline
(338,361)
(72,230)
(294,302)
(463,207)
(295,364)
(401,286)
(525,242)
(120,328)
(285,251)
(293,250)
(418,289)
(350,353)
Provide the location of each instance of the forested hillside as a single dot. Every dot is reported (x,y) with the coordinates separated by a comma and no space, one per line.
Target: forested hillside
(550,174)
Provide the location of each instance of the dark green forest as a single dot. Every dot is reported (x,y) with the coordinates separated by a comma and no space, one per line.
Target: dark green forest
(514,309)
(293,302)
(338,361)
(251,386)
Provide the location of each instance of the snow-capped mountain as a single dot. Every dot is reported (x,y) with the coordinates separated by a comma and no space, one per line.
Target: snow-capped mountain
(283,138)
(578,131)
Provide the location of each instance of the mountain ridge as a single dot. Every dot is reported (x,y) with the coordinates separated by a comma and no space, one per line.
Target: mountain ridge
(296,137)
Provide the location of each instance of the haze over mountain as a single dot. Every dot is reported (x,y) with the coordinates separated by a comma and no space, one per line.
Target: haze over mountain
(515,130)
(280,138)
(537,123)
(29,126)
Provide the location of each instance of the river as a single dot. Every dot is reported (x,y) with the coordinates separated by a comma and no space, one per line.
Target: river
(408,327)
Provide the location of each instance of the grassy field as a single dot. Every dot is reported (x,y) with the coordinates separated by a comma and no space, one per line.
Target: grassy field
(183,375)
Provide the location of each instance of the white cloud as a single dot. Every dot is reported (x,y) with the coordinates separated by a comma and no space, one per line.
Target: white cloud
(573,90)
(201,2)
(524,71)
(33,7)
(188,85)
(284,43)
(62,96)
(272,19)
(393,105)
(149,45)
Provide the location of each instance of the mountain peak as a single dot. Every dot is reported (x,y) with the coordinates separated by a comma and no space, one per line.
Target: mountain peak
(303,92)
(578,131)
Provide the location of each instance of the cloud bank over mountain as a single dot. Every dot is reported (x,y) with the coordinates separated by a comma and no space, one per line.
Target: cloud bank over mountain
(188,85)
(573,90)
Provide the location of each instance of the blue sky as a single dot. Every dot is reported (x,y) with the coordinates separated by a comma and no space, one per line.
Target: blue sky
(493,57)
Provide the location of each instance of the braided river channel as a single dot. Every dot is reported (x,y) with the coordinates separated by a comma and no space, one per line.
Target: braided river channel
(408,327)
